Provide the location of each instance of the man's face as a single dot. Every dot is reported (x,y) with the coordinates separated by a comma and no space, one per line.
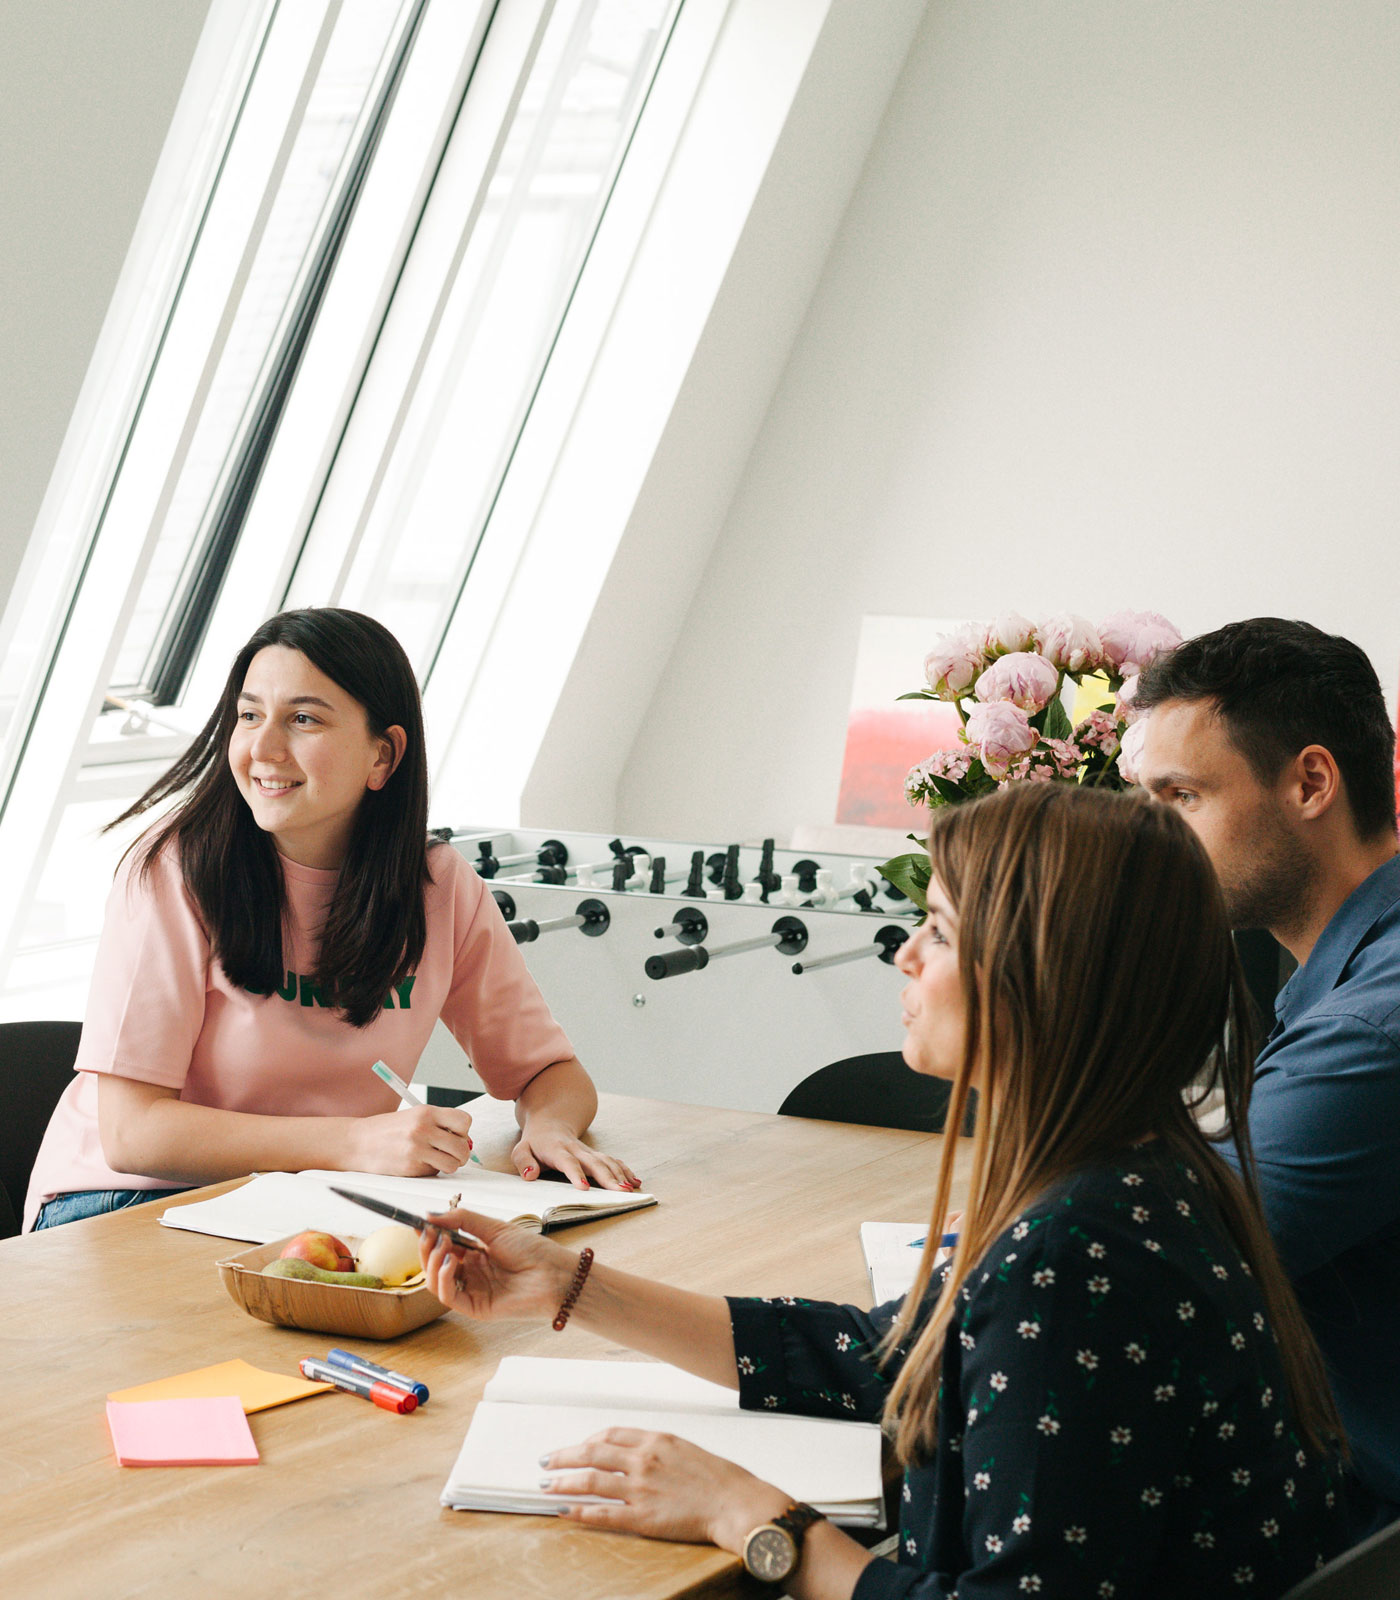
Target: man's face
(1188,761)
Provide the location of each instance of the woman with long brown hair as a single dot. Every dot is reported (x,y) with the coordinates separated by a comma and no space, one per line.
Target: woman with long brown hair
(1109,1390)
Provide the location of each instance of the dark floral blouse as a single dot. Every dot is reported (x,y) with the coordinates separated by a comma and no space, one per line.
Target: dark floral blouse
(1113,1417)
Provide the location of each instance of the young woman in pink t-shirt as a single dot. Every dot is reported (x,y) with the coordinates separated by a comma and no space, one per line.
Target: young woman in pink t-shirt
(285,926)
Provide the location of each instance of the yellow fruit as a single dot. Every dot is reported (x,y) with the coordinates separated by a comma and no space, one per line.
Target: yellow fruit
(391,1253)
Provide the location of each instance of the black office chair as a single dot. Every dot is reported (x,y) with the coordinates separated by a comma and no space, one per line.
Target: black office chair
(1368,1571)
(36,1066)
(878,1090)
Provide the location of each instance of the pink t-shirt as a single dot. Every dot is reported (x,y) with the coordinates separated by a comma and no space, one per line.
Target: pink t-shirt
(162,1011)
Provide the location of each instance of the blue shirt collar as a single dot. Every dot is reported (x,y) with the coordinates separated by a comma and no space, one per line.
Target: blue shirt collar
(1351,922)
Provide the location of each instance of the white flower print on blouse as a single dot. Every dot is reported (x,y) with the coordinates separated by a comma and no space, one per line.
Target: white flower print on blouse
(1048,1424)
(1028,1329)
(997,1381)
(843,1341)
(1186,1310)
(1043,1277)
(1021,1523)
(1151,1496)
(1076,1535)
(1120,1436)
(1132,1179)
(1098,1251)
(981,1480)
(1135,1353)
(1098,1285)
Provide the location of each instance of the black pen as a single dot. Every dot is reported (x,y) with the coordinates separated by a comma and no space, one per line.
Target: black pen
(464,1241)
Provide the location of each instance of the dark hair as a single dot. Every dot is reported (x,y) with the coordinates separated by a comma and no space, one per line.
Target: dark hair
(1281,685)
(375,928)
(1104,1002)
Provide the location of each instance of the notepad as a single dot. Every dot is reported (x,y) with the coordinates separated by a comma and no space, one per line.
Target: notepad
(534,1405)
(277,1204)
(208,1432)
(255,1389)
(892,1254)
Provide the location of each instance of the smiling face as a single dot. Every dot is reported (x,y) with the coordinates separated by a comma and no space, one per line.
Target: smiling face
(303,756)
(934,1016)
(1189,762)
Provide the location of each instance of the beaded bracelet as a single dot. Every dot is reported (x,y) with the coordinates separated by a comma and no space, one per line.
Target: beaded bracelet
(585,1261)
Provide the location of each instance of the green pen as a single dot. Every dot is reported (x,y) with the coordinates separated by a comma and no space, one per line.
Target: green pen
(386,1074)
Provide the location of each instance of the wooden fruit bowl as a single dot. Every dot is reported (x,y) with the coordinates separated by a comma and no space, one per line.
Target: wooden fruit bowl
(325,1307)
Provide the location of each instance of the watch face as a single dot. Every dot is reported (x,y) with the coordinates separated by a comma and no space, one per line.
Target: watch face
(770,1554)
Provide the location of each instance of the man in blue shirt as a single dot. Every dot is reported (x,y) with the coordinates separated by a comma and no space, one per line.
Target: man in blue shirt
(1273,741)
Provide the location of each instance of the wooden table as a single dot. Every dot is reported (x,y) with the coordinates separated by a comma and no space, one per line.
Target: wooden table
(345,1499)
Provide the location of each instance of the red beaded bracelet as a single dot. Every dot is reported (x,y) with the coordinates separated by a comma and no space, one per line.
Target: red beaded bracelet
(585,1261)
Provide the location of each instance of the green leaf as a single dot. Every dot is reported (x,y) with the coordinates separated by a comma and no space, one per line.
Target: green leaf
(918,694)
(1057,724)
(949,792)
(910,875)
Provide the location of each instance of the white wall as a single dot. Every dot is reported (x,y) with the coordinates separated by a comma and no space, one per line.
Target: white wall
(87,91)
(1111,321)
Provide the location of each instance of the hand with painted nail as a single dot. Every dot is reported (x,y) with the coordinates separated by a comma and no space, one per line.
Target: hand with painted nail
(545,1143)
(660,1486)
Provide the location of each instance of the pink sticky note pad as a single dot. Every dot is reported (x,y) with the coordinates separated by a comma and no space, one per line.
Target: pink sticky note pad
(181,1433)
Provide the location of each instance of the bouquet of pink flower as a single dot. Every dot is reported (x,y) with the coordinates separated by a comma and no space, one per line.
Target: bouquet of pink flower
(1007,684)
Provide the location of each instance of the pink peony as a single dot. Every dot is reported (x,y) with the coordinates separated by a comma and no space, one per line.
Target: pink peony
(954,662)
(1132,641)
(1009,633)
(1123,707)
(1025,679)
(1001,732)
(1070,643)
(1130,752)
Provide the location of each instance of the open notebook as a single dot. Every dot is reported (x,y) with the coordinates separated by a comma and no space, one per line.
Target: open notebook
(892,1251)
(276,1204)
(537,1404)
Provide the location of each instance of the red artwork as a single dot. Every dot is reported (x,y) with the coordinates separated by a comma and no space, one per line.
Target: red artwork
(881,746)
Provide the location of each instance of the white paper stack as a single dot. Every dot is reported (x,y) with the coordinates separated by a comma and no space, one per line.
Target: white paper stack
(533,1406)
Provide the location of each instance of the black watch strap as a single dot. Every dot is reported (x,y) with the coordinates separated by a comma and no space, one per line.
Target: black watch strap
(797,1519)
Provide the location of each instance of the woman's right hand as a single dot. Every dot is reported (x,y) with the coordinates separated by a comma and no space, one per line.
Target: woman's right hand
(414,1143)
(521,1274)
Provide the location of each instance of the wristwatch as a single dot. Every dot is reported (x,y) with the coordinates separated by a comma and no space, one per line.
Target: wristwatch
(773,1549)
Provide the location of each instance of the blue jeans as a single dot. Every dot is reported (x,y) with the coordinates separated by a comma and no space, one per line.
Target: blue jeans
(94,1203)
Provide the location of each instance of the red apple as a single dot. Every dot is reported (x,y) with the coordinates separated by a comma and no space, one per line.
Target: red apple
(322,1250)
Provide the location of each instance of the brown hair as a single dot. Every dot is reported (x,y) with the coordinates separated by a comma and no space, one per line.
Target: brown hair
(1104,1002)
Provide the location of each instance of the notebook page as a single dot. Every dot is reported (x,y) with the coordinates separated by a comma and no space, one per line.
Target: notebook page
(274,1205)
(893,1251)
(626,1385)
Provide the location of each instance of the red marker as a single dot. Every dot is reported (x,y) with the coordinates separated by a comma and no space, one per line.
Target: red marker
(382,1394)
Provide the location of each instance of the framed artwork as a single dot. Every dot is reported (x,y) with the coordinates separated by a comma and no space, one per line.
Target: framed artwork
(885,736)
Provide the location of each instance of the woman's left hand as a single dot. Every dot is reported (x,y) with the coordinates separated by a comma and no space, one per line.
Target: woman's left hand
(668,1488)
(546,1144)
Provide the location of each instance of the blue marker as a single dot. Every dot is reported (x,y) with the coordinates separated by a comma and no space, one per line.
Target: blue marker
(386,1074)
(945,1243)
(348,1361)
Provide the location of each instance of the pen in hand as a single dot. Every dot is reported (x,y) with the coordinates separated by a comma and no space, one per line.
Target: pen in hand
(386,1074)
